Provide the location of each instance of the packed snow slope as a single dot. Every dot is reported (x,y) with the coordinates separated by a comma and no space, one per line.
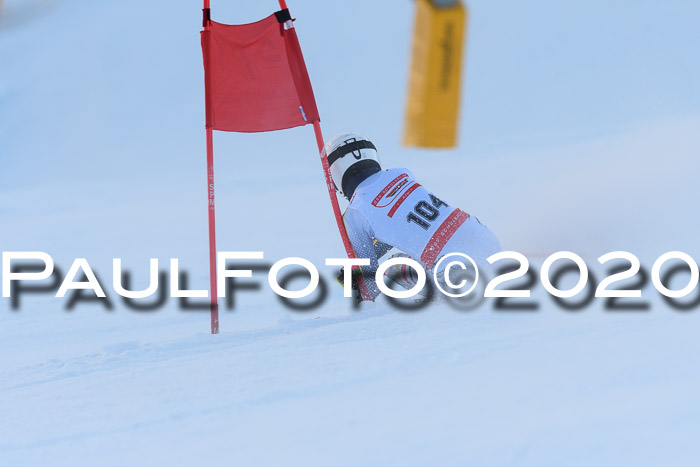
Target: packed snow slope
(580,131)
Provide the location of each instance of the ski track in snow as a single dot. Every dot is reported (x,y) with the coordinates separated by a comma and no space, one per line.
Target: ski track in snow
(120,355)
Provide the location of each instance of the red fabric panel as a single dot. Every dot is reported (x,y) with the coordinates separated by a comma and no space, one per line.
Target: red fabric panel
(441,236)
(256,78)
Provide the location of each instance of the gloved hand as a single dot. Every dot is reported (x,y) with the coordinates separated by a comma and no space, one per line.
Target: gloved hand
(356,295)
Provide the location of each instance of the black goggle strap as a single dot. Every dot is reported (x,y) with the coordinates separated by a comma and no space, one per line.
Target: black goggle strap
(346,149)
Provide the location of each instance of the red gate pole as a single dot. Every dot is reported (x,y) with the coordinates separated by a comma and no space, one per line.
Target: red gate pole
(364,291)
(214,299)
(349,250)
(214,304)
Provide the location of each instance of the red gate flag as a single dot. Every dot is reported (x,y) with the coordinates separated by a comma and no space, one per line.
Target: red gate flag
(255,76)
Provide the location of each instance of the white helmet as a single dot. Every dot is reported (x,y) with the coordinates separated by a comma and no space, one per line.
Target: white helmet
(349,154)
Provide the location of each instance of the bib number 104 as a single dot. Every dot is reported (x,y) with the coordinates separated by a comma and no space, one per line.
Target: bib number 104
(424,213)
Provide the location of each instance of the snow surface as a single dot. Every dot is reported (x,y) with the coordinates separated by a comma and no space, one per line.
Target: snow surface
(570,141)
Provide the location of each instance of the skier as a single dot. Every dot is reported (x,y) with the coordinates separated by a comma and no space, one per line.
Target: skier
(389,208)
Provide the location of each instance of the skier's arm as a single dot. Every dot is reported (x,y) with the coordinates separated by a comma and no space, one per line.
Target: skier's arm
(362,239)
(381,248)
